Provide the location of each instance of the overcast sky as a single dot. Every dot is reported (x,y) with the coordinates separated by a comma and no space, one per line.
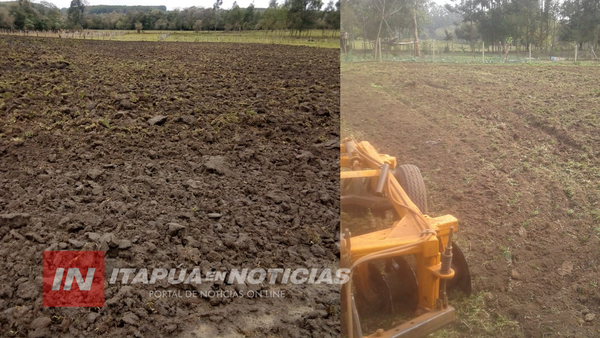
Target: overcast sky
(171,4)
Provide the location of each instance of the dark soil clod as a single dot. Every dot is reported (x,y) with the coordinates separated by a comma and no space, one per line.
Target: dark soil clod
(154,139)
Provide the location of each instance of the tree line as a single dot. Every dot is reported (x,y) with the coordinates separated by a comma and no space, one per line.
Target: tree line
(296,15)
(499,24)
(541,23)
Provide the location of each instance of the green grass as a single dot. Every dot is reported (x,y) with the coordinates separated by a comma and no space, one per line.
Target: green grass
(312,38)
(472,316)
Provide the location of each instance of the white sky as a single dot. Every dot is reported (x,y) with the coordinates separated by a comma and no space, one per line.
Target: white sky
(171,4)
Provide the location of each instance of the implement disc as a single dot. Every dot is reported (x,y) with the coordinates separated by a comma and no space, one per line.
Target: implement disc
(462,276)
(386,287)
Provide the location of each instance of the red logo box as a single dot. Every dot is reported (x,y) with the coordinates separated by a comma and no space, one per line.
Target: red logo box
(73,278)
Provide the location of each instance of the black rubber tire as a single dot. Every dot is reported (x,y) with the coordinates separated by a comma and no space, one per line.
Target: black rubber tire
(410,178)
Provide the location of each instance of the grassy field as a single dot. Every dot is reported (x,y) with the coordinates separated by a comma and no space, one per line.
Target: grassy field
(312,38)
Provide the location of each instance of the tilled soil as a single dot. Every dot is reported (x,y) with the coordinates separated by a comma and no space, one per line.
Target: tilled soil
(512,152)
(105,145)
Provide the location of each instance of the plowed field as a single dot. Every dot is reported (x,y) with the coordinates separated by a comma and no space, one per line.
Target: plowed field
(169,155)
(512,152)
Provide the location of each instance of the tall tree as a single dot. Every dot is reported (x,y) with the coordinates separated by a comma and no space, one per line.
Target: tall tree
(332,15)
(470,10)
(581,21)
(275,17)
(75,13)
(302,14)
(522,22)
(234,18)
(216,13)
(249,20)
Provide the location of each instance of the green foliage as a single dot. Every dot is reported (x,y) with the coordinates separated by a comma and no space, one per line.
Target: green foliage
(234,19)
(104,9)
(198,25)
(581,21)
(535,22)
(468,31)
(25,15)
(300,15)
(331,17)
(274,18)
(75,14)
(249,21)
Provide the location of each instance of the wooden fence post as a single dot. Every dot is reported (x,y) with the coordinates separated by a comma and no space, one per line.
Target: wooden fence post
(482,52)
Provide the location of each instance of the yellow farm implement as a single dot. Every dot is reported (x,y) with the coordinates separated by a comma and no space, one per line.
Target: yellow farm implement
(399,275)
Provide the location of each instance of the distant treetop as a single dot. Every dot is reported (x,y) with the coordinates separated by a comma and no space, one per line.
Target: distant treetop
(100,9)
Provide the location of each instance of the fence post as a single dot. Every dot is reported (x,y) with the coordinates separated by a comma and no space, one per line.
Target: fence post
(576,51)
(529,53)
(482,52)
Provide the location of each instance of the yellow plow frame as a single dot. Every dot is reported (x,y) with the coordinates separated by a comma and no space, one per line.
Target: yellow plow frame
(412,234)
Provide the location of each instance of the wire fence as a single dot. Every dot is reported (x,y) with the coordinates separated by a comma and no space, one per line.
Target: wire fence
(441,52)
(313,38)
(71,34)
